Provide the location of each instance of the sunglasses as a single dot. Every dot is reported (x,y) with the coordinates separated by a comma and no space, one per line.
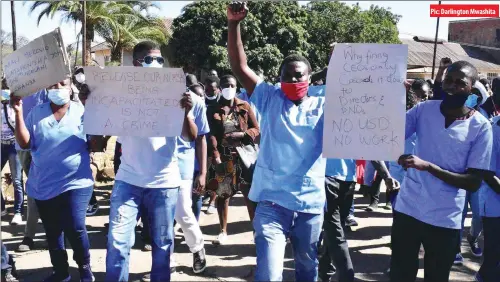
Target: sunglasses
(149,59)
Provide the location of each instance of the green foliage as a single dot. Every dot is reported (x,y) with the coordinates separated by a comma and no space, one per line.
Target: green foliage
(273,30)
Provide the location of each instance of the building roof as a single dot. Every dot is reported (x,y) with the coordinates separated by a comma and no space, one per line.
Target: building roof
(100,46)
(421,51)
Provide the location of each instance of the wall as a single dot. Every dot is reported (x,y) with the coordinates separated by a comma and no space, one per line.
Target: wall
(100,56)
(477,32)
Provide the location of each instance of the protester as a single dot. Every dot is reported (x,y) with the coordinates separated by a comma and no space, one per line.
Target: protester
(232,124)
(486,83)
(213,73)
(60,178)
(289,177)
(421,89)
(445,164)
(8,266)
(191,80)
(489,203)
(491,107)
(9,154)
(148,175)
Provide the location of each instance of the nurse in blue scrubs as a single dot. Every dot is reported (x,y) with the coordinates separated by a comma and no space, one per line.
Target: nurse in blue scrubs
(451,157)
(60,177)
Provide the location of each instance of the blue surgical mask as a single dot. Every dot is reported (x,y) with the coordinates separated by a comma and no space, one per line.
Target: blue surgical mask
(5,94)
(59,96)
(471,101)
(154,64)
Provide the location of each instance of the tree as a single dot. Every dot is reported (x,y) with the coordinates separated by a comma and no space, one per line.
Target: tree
(13,18)
(99,13)
(6,42)
(273,30)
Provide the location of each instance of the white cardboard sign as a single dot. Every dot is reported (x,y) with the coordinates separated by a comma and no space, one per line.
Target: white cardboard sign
(41,63)
(365,102)
(133,101)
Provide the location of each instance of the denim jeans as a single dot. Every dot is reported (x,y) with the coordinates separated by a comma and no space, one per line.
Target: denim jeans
(9,154)
(5,258)
(197,200)
(159,207)
(490,269)
(471,199)
(272,225)
(63,216)
(32,217)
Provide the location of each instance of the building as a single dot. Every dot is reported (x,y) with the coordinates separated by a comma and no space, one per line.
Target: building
(478,34)
(101,52)
(421,52)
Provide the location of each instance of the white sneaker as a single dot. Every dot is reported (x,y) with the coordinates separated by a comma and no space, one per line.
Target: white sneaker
(211,209)
(4,212)
(17,219)
(221,239)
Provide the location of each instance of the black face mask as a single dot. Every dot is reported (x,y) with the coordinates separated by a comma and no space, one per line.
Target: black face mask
(454,101)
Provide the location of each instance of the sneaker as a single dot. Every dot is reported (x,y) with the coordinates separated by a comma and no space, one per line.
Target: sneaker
(211,209)
(459,259)
(351,221)
(474,246)
(54,277)
(147,247)
(39,221)
(388,206)
(372,207)
(199,261)
(86,274)
(4,212)
(147,277)
(92,209)
(206,200)
(7,276)
(478,278)
(17,219)
(221,239)
(26,245)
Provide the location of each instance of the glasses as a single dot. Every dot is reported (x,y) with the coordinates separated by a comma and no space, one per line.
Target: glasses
(149,59)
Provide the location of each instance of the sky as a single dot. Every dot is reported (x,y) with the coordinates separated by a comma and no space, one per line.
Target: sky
(415,18)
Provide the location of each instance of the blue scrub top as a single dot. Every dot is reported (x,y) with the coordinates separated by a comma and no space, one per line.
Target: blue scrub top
(290,169)
(464,144)
(489,200)
(188,163)
(397,172)
(60,156)
(341,169)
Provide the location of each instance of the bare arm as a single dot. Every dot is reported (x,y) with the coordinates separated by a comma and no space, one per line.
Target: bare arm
(493,181)
(381,169)
(22,134)
(237,57)
(201,153)
(189,129)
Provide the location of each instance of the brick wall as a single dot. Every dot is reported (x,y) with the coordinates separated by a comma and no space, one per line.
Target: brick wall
(478,32)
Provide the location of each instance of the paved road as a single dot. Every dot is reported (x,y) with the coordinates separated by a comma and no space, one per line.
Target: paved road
(232,262)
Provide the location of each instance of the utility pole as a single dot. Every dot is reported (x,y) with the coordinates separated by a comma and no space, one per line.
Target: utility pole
(14,33)
(435,47)
(84,33)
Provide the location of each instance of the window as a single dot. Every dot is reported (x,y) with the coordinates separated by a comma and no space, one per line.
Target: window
(491,75)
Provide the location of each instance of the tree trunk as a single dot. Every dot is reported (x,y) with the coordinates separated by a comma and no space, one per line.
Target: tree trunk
(14,33)
(88,44)
(116,54)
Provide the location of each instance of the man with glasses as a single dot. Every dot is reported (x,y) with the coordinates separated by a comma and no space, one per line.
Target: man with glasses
(149,176)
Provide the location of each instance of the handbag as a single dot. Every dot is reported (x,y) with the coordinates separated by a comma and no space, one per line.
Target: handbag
(248,156)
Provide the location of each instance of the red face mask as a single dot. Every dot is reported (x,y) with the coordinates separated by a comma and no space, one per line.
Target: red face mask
(295,91)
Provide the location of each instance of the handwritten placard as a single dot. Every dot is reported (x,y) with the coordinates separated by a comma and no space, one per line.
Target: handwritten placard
(365,102)
(41,63)
(132,101)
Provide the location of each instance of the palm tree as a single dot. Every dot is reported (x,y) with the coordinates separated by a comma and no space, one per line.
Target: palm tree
(131,32)
(14,33)
(98,14)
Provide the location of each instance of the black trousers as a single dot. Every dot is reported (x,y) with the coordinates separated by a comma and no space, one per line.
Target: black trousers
(439,244)
(339,195)
(490,269)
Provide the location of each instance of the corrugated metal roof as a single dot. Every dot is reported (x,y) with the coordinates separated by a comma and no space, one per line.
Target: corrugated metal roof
(420,54)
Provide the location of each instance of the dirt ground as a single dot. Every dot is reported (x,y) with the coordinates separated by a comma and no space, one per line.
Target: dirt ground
(369,246)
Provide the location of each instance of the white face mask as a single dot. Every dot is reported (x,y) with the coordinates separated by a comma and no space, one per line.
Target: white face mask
(211,98)
(80,77)
(229,93)
(154,64)
(59,96)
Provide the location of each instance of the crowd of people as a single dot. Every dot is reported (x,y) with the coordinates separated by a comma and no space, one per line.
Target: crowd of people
(265,142)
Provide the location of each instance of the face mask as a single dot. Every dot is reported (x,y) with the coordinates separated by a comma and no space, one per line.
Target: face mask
(80,77)
(5,94)
(59,96)
(455,101)
(295,91)
(153,64)
(211,98)
(229,93)
(471,101)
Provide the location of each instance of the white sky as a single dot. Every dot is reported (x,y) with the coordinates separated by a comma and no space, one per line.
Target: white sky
(415,17)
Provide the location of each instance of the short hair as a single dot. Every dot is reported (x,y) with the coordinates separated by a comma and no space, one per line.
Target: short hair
(211,79)
(78,70)
(227,77)
(296,58)
(142,48)
(464,64)
(411,100)
(212,71)
(495,84)
(196,85)
(430,81)
(419,84)
(191,80)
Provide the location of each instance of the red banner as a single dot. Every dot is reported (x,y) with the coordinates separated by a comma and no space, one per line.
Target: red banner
(464,10)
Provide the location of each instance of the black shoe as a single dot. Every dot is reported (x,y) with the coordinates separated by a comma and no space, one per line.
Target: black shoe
(7,276)
(351,221)
(199,261)
(147,247)
(26,245)
(86,274)
(388,206)
(92,209)
(372,207)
